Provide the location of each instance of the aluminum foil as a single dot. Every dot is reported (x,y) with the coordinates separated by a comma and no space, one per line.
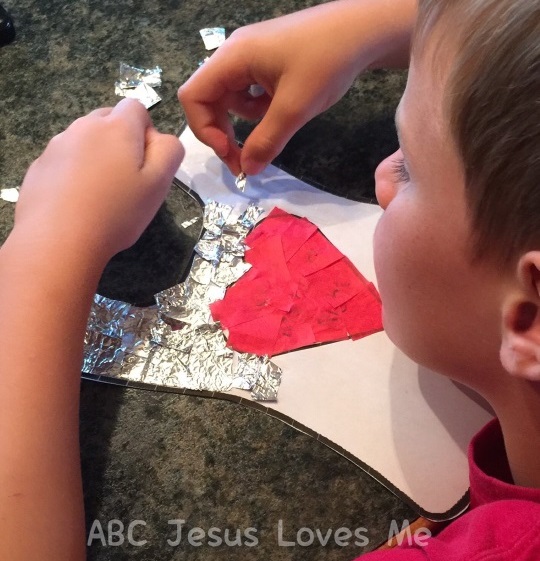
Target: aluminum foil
(9,195)
(143,93)
(139,83)
(131,76)
(250,216)
(241,181)
(215,216)
(188,223)
(176,343)
(213,37)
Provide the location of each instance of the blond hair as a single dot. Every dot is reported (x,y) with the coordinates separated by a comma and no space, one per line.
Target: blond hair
(492,100)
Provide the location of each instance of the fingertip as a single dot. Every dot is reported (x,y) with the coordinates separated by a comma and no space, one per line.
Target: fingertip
(264,143)
(132,109)
(232,159)
(100,112)
(252,167)
(233,164)
(215,139)
(257,153)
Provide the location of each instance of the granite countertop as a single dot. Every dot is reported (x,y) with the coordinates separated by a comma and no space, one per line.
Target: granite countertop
(161,456)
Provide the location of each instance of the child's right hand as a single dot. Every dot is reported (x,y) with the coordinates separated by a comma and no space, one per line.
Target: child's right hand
(100,182)
(305,61)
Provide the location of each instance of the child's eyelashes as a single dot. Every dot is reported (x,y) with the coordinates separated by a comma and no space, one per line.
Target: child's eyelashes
(401,173)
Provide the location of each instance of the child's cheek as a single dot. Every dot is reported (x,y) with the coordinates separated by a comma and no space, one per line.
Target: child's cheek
(395,253)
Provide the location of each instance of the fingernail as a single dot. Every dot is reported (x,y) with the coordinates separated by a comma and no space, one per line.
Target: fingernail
(253,167)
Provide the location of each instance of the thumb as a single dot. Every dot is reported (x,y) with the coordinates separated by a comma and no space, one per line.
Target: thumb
(286,114)
(163,155)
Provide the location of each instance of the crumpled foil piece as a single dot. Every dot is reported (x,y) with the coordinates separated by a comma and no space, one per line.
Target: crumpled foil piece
(241,181)
(250,216)
(10,195)
(215,216)
(143,93)
(139,83)
(131,76)
(176,343)
(213,37)
(267,384)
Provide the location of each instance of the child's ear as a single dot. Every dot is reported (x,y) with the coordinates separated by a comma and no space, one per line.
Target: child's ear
(520,347)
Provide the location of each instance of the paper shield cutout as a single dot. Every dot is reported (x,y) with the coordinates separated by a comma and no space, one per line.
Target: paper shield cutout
(404,425)
(300,291)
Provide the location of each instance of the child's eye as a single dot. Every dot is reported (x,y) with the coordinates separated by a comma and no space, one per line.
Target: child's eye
(400,171)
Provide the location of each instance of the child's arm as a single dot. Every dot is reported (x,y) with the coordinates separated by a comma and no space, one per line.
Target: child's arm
(88,196)
(306,61)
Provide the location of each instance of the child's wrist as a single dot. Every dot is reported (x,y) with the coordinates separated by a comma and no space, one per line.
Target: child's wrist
(64,249)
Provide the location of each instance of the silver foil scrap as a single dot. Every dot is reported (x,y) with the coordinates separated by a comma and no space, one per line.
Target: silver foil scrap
(250,216)
(131,76)
(241,181)
(176,343)
(10,195)
(213,37)
(143,93)
(139,83)
(215,217)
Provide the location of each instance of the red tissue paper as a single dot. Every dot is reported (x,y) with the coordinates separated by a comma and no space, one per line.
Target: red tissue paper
(300,291)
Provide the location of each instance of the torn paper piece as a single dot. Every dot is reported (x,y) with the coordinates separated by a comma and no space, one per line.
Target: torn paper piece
(301,290)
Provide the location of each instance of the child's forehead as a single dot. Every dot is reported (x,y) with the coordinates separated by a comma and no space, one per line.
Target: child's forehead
(420,113)
(430,81)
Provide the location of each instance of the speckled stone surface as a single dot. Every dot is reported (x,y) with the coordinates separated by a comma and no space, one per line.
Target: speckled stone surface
(161,456)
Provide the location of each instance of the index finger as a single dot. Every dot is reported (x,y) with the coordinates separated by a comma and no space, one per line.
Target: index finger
(205,96)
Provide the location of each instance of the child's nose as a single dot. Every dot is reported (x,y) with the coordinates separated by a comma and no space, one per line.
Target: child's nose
(385,181)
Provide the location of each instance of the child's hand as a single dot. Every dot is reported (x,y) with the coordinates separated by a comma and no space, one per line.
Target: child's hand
(100,182)
(305,61)
(300,64)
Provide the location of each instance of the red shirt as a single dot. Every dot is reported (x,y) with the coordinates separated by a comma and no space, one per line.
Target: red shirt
(503,523)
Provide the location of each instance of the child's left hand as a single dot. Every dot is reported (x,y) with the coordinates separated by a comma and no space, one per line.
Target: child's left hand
(100,182)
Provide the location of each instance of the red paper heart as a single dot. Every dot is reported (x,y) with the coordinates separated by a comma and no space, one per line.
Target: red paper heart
(301,290)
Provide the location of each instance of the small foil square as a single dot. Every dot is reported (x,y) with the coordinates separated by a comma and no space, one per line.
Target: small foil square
(138,83)
(143,93)
(241,182)
(131,76)
(213,37)
(9,195)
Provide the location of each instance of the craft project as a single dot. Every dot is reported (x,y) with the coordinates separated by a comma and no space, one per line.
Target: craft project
(364,399)
(300,291)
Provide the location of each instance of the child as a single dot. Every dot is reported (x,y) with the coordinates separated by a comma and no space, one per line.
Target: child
(457,250)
